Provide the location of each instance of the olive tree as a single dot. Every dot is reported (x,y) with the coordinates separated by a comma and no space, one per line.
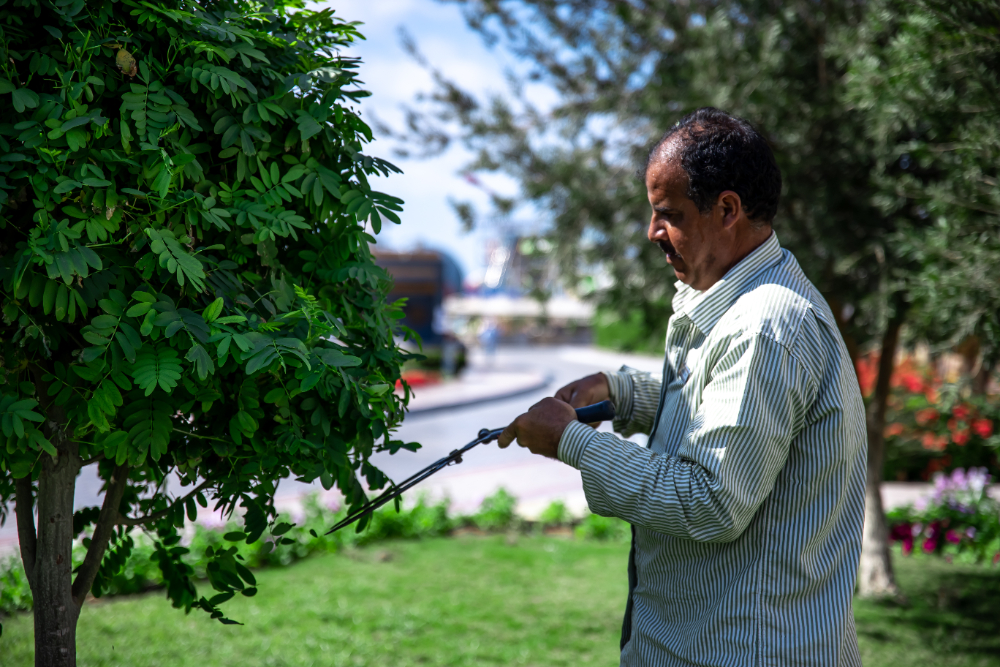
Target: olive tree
(186,283)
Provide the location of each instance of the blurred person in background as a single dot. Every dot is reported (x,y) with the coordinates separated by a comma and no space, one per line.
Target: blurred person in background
(489,334)
(747,504)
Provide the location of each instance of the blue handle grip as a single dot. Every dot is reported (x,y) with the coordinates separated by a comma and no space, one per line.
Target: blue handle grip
(598,412)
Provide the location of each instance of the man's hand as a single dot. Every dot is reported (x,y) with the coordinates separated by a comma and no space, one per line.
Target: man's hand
(540,428)
(586,391)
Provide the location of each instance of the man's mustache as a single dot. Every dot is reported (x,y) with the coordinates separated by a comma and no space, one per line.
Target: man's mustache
(667,248)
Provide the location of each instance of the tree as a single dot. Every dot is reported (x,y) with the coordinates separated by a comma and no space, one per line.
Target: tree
(626,71)
(927,76)
(187,288)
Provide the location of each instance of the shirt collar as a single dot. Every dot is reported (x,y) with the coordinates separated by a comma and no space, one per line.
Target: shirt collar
(705,308)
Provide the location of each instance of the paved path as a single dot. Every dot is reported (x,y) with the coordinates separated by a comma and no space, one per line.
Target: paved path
(520,376)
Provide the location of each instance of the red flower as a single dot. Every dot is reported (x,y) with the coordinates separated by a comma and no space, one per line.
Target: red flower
(867,370)
(926,416)
(952,425)
(961,412)
(953,537)
(960,438)
(894,429)
(934,442)
(982,427)
(912,382)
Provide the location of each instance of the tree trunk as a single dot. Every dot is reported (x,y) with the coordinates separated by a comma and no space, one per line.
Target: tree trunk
(875,575)
(56,612)
(981,381)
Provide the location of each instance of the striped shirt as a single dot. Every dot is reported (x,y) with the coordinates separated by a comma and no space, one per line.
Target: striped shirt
(748,502)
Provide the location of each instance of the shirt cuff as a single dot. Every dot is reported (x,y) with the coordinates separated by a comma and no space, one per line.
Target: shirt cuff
(621,391)
(574,442)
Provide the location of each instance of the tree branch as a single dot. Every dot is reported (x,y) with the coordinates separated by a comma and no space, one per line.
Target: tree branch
(138,521)
(102,534)
(26,534)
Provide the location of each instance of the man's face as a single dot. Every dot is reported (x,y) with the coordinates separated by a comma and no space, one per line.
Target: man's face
(692,241)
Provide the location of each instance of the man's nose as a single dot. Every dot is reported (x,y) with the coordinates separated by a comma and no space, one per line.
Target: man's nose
(657,230)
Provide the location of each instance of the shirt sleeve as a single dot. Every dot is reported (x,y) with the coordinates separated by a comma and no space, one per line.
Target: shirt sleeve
(727,462)
(636,396)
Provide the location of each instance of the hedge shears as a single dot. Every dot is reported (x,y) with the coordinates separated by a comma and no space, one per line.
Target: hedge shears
(598,412)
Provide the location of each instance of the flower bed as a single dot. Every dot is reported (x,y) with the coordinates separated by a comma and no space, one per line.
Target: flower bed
(960,520)
(932,425)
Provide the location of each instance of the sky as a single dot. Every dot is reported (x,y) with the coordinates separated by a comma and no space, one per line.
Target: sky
(394,78)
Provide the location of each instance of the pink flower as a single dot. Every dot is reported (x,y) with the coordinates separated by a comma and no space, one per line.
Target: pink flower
(930,544)
(953,536)
(960,438)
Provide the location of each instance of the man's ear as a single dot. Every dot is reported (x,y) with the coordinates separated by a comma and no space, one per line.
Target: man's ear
(732,207)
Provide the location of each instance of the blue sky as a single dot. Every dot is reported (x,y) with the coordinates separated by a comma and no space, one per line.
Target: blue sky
(394,79)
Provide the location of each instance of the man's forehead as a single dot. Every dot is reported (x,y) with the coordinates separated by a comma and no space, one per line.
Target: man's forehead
(665,171)
(671,149)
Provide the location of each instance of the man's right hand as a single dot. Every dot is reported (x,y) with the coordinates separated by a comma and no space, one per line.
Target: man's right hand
(586,391)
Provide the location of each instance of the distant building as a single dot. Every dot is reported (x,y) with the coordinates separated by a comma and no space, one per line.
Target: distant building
(424,278)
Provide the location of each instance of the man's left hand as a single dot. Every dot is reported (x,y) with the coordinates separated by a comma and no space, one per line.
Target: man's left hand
(540,428)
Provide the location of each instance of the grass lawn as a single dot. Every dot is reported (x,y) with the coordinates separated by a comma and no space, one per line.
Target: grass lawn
(488,601)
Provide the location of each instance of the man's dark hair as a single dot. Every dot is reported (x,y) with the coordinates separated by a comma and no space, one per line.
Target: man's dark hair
(721,152)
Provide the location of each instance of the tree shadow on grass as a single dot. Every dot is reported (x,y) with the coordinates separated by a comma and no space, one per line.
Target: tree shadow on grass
(953,609)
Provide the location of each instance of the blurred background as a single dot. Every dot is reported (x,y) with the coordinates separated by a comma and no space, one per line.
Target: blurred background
(523,259)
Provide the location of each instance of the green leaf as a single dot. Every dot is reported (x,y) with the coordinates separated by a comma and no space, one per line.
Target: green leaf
(175,259)
(149,427)
(139,309)
(156,367)
(308,127)
(23,98)
(280,529)
(66,186)
(336,358)
(111,307)
(213,310)
(202,361)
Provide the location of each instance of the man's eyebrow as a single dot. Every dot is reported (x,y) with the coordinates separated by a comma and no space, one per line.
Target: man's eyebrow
(660,208)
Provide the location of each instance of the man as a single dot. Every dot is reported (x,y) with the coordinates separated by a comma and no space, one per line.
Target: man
(747,504)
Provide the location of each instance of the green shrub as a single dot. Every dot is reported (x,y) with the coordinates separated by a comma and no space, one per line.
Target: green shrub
(497,512)
(556,514)
(140,570)
(15,594)
(596,527)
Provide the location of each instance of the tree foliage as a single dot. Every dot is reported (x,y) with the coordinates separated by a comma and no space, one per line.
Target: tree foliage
(926,75)
(187,287)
